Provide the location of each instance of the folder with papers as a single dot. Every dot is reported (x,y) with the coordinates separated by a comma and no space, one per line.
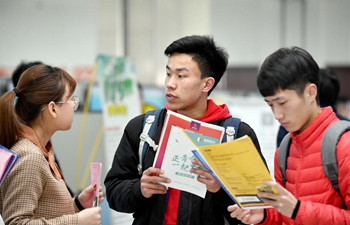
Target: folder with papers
(7,160)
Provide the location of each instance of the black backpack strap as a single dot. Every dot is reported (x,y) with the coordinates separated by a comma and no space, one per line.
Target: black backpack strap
(283,155)
(231,126)
(329,148)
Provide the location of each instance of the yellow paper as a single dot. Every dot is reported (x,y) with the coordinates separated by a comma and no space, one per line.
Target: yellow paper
(239,169)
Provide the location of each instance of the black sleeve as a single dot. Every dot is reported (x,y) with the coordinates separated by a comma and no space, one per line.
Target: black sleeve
(122,181)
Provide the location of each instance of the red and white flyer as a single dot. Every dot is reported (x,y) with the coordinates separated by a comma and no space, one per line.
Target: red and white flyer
(180,135)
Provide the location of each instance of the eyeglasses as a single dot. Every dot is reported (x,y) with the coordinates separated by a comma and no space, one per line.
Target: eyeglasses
(75,101)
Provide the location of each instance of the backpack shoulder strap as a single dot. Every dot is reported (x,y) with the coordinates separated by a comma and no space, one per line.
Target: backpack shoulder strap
(149,126)
(283,155)
(328,150)
(231,126)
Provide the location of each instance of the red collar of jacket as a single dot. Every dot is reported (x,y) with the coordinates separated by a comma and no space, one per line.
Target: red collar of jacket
(214,112)
(316,129)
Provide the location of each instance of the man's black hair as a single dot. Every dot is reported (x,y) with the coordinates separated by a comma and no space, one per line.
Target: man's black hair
(287,68)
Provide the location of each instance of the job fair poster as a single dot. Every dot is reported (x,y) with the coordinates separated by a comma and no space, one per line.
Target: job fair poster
(120,103)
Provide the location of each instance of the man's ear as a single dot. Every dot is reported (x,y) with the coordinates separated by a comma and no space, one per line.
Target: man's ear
(311,91)
(208,84)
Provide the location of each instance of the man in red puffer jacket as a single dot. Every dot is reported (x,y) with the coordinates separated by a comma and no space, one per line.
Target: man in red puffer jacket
(288,80)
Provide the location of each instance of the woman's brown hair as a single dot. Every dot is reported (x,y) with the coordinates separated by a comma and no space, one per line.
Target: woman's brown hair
(37,86)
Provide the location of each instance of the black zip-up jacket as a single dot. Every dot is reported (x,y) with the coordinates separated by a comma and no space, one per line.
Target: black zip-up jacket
(124,192)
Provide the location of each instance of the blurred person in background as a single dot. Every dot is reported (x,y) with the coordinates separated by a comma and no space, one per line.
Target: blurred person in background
(343,106)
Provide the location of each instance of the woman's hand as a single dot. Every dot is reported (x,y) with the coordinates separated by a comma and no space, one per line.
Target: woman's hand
(87,195)
(90,216)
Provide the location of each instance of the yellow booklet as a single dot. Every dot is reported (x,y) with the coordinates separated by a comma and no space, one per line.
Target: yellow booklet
(239,169)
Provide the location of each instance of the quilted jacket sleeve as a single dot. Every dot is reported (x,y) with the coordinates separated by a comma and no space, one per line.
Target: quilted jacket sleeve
(319,213)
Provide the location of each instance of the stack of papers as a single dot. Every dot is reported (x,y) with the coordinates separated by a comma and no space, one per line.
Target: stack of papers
(7,160)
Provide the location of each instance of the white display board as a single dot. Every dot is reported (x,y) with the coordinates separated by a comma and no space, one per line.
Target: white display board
(120,103)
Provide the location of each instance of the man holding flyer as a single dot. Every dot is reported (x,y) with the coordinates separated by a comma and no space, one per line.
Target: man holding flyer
(288,80)
(195,66)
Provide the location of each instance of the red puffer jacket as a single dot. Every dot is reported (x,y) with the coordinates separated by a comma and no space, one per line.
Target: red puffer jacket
(306,180)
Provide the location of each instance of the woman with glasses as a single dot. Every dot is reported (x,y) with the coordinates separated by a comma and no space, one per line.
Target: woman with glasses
(34,191)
